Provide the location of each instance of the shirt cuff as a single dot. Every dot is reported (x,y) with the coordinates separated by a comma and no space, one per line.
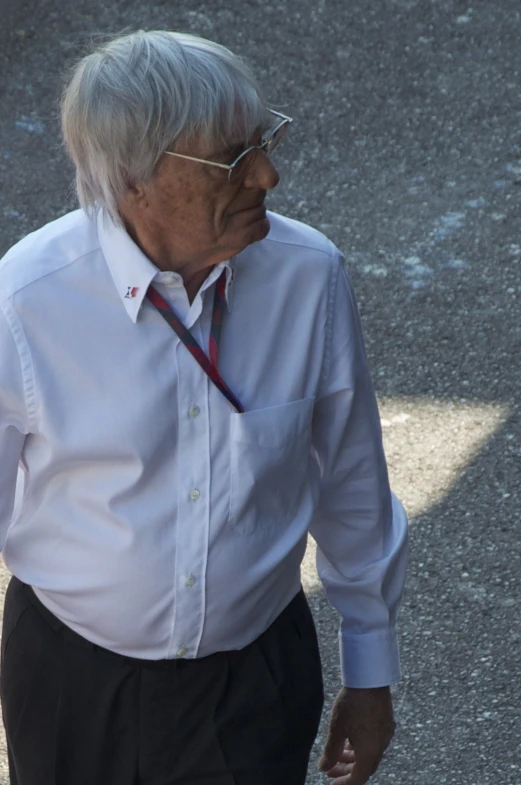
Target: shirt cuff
(371,660)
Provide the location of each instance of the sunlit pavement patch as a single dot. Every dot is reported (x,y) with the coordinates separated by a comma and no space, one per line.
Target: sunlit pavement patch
(428,443)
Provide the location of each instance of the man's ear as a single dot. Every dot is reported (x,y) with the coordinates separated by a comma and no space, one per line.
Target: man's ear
(135,203)
(136,196)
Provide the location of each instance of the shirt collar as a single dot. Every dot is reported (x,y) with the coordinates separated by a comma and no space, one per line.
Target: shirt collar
(229,265)
(133,272)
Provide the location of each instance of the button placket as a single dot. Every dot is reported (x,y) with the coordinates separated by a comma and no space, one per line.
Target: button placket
(193,505)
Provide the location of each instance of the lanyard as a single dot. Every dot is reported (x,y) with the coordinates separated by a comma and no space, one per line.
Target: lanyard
(209,366)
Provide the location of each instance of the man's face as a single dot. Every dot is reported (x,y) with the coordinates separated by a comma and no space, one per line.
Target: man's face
(197,216)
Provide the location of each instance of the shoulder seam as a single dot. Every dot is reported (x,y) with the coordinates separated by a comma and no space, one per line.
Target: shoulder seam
(329,252)
(329,325)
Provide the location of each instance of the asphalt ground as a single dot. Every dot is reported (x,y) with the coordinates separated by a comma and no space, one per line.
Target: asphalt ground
(406,151)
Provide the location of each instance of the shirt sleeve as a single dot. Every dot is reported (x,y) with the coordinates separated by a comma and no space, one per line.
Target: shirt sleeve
(13,421)
(360,528)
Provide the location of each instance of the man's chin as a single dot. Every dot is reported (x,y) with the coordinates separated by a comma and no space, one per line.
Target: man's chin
(261,228)
(253,232)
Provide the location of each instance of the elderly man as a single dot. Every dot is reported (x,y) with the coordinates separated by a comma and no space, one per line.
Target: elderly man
(184,384)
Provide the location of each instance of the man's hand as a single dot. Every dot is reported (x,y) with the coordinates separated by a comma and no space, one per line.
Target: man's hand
(364,718)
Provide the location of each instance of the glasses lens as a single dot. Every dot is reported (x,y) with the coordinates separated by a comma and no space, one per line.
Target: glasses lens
(247,160)
(243,165)
(276,138)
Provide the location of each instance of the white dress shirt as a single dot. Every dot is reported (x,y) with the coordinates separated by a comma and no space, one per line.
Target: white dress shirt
(156,521)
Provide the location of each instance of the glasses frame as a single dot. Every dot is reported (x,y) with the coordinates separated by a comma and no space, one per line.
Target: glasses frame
(267,146)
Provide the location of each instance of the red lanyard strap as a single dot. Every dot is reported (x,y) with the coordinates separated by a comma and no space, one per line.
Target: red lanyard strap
(209,366)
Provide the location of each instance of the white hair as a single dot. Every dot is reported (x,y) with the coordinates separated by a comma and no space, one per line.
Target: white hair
(141,94)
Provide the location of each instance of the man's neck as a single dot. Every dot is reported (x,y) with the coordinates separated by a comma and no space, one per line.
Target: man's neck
(194,282)
(193,272)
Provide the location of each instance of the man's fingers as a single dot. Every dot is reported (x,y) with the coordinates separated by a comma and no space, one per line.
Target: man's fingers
(330,756)
(364,766)
(333,750)
(340,770)
(347,756)
(349,771)
(344,777)
(344,765)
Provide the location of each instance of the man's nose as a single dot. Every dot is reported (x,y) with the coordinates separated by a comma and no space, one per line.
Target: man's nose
(262,174)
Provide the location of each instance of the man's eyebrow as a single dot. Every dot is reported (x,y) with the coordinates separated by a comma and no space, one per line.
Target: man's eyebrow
(237,147)
(232,149)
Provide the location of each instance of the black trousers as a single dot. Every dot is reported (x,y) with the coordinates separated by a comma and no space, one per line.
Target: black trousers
(77,714)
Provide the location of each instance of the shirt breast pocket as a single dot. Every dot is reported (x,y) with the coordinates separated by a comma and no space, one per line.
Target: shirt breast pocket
(270,451)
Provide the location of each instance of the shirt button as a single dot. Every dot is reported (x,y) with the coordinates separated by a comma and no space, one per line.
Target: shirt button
(194,411)
(194,494)
(190,581)
(182,651)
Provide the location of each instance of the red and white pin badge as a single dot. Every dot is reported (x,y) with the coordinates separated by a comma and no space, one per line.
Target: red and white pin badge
(131,292)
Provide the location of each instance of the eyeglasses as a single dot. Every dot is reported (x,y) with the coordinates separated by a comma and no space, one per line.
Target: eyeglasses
(238,168)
